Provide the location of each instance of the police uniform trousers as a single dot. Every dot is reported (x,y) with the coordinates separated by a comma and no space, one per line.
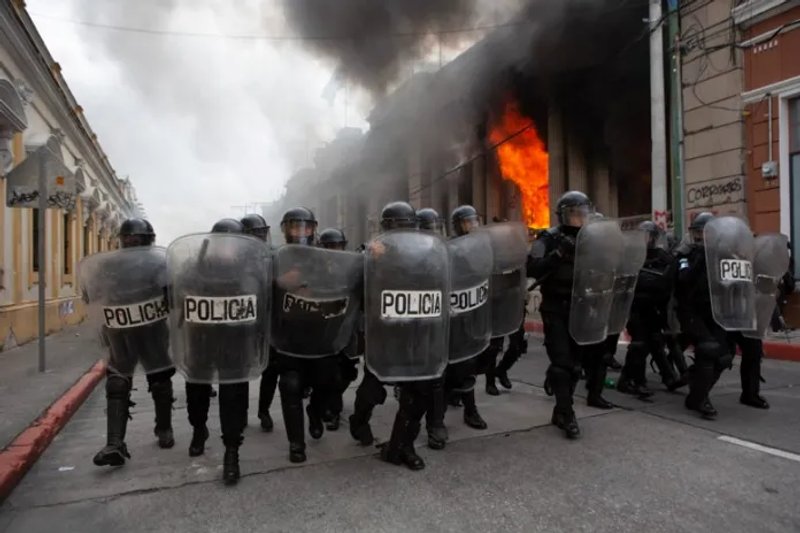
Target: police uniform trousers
(713,353)
(567,357)
(118,398)
(268,384)
(321,374)
(348,373)
(645,328)
(233,402)
(415,399)
(516,347)
(370,392)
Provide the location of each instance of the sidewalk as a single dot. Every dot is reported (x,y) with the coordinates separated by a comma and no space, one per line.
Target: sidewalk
(25,393)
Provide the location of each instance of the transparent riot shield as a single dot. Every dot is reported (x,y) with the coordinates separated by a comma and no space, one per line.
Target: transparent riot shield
(407,286)
(471,264)
(630,262)
(220,297)
(729,247)
(125,291)
(507,288)
(598,249)
(317,300)
(770,263)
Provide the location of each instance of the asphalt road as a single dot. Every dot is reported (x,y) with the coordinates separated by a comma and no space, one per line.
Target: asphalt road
(642,467)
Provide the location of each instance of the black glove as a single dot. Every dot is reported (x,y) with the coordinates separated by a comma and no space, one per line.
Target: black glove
(566,246)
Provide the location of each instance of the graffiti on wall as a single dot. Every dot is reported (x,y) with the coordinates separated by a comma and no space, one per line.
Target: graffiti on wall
(715,192)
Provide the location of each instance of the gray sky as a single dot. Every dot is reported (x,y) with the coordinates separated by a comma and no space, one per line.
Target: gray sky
(200,124)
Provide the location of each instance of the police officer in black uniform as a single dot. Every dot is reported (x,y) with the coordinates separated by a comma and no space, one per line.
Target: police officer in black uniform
(517,346)
(429,220)
(371,392)
(335,239)
(152,343)
(321,374)
(255,225)
(233,398)
(551,262)
(648,319)
(711,349)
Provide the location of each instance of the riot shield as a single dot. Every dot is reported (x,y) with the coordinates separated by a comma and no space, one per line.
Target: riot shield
(125,291)
(317,300)
(729,247)
(507,288)
(598,248)
(407,284)
(471,264)
(630,262)
(770,263)
(220,294)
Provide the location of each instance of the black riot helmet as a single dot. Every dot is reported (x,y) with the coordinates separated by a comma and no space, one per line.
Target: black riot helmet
(397,215)
(333,239)
(136,232)
(698,225)
(298,226)
(227,225)
(464,219)
(429,220)
(255,225)
(573,209)
(654,233)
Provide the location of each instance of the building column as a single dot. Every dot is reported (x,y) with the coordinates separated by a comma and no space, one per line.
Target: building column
(557,178)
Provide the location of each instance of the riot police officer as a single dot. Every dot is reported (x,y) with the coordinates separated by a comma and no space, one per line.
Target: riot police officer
(296,373)
(335,239)
(255,225)
(551,262)
(371,392)
(464,219)
(220,353)
(712,353)
(429,220)
(648,318)
(147,344)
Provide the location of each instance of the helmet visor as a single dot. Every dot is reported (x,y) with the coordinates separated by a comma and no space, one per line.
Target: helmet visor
(129,241)
(298,231)
(399,223)
(333,245)
(469,223)
(577,215)
(261,233)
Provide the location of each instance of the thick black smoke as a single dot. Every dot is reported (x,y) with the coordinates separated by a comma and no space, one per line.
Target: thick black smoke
(372,40)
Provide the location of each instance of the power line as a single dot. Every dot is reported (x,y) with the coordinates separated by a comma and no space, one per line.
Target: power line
(265,37)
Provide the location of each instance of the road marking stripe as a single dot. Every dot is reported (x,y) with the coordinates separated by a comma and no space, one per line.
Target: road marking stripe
(760,448)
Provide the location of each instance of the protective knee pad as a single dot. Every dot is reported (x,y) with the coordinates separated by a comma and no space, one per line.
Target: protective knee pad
(637,348)
(724,362)
(161,389)
(372,389)
(118,387)
(561,375)
(708,352)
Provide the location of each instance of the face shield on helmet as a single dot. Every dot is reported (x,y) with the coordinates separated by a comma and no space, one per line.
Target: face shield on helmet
(469,223)
(130,241)
(298,231)
(577,215)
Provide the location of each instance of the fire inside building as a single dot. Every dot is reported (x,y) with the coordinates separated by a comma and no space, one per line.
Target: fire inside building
(524,115)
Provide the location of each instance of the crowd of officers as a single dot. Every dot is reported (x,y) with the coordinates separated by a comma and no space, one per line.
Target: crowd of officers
(670,311)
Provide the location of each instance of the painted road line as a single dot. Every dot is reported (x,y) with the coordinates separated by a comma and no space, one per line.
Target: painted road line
(760,448)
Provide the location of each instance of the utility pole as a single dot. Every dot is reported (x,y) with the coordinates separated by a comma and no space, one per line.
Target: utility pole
(676,116)
(658,133)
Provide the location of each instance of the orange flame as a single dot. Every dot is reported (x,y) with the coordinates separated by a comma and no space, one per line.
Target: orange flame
(523,160)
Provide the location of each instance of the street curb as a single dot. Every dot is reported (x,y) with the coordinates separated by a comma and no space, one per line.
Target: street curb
(772,350)
(17,458)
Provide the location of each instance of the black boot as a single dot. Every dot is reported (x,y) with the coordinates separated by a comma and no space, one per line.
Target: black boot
(297,452)
(565,419)
(163,400)
(266,422)
(472,417)
(332,421)
(315,427)
(199,437)
(115,452)
(437,437)
(400,448)
(628,386)
(502,376)
(361,431)
(756,401)
(704,407)
(595,381)
(230,465)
